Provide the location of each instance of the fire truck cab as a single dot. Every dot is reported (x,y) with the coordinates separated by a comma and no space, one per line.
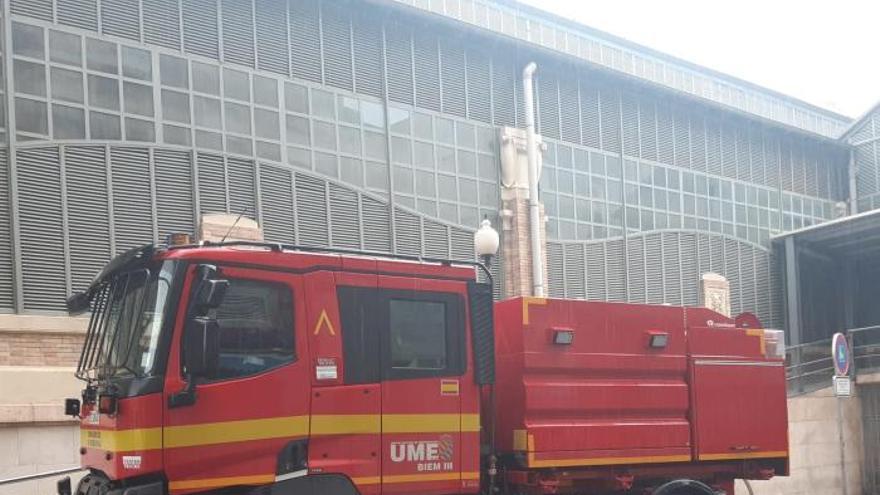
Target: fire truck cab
(267,369)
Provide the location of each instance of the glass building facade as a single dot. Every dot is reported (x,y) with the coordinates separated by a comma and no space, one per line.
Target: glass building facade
(375,126)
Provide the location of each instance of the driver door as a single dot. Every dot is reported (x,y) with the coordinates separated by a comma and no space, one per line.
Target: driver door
(255,404)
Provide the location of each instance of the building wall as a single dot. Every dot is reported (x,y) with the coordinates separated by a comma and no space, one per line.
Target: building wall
(866,156)
(303,113)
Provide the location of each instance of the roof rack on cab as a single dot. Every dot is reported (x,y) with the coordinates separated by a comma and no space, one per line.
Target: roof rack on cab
(280,247)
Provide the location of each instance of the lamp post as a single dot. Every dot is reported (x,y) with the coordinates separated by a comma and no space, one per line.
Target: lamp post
(486,242)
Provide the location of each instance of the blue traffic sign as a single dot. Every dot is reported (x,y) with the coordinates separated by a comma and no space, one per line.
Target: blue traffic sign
(840,354)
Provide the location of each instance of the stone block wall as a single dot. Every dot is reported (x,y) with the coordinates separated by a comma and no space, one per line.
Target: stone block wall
(815,448)
(38,356)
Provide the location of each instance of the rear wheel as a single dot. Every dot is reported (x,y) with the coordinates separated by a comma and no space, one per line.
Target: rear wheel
(684,487)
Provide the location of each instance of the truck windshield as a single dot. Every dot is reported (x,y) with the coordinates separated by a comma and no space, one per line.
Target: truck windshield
(126,322)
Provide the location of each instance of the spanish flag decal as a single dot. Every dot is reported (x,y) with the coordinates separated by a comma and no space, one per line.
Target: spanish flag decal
(448,387)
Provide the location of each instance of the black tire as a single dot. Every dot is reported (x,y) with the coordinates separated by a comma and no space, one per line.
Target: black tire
(684,487)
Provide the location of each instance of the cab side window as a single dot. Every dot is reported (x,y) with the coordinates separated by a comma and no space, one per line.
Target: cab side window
(417,334)
(393,334)
(256,328)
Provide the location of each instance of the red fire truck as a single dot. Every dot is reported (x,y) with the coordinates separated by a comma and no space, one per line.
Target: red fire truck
(259,368)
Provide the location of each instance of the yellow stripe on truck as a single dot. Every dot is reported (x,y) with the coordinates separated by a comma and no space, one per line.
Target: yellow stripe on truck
(122,440)
(236,431)
(280,427)
(257,479)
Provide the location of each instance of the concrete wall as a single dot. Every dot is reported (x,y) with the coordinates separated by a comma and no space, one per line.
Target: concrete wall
(815,448)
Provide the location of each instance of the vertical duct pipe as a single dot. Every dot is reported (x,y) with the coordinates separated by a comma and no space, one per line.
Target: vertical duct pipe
(534,207)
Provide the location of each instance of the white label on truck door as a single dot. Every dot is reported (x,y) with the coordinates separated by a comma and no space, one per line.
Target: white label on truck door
(326,369)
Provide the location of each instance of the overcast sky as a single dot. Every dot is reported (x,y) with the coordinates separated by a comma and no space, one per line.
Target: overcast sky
(824,52)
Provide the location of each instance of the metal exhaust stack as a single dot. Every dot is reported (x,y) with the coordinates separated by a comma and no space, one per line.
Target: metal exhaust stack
(534,208)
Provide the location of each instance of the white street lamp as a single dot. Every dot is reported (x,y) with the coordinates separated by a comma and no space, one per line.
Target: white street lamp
(486,242)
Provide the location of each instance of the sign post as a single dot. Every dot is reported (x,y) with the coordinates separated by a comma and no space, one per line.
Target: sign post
(842,358)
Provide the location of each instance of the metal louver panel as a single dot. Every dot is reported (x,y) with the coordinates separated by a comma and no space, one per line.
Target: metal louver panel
(743,167)
(548,104)
(212,183)
(337,47)
(276,203)
(590,118)
(771,161)
(311,211)
(479,86)
(716,254)
(504,100)
(672,276)
(713,147)
(731,271)
(728,150)
(786,172)
(654,269)
(811,173)
(615,271)
(41,9)
(344,218)
(436,240)
(704,256)
(162,23)
(665,135)
(596,283)
(681,138)
(242,193)
(462,242)
(377,225)
(697,133)
(78,13)
(866,178)
(175,205)
(200,28)
(426,59)
(272,47)
(690,277)
(6,271)
(763,306)
(798,166)
(756,157)
(238,32)
(570,122)
(399,60)
(609,104)
(555,270)
(630,125)
(40,216)
(305,41)
(132,214)
(575,271)
(635,265)
(407,228)
(747,282)
(648,129)
(452,74)
(121,18)
(777,286)
(368,64)
(518,94)
(88,215)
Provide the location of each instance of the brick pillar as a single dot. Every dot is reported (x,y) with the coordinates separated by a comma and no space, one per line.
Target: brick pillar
(515,232)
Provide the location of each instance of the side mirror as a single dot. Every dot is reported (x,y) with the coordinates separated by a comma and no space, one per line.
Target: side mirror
(209,295)
(72,407)
(201,347)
